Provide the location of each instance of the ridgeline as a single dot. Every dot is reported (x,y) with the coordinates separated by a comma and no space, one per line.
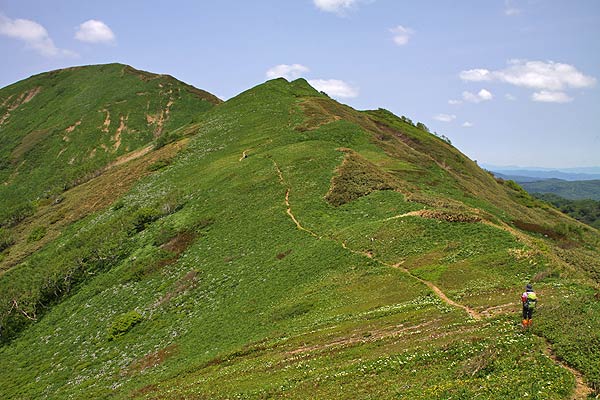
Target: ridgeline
(159,243)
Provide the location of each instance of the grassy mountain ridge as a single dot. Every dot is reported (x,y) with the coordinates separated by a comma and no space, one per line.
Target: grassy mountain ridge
(60,128)
(227,272)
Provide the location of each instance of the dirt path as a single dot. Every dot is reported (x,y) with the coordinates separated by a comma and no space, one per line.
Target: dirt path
(408,214)
(289,212)
(582,390)
(474,314)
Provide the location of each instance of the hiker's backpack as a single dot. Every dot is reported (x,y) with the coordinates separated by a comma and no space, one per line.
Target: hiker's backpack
(531,300)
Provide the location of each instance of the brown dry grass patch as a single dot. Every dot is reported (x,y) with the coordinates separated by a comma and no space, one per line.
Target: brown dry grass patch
(83,200)
(150,360)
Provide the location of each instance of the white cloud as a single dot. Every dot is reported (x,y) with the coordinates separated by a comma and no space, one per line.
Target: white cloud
(476,75)
(510,97)
(544,75)
(334,87)
(534,74)
(289,72)
(482,95)
(467,124)
(445,117)
(549,78)
(335,6)
(401,35)
(510,10)
(33,34)
(94,31)
(546,96)
(454,102)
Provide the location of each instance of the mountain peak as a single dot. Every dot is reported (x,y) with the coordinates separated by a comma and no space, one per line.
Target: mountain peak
(153,244)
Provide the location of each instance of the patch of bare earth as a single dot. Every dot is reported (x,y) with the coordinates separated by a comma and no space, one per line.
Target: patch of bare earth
(120,129)
(188,281)
(6,100)
(159,119)
(106,123)
(72,127)
(24,97)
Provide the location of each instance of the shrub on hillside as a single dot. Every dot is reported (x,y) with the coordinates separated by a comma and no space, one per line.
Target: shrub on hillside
(450,216)
(142,218)
(356,177)
(123,324)
(6,239)
(17,214)
(37,234)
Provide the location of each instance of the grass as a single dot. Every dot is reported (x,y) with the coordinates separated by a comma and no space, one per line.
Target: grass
(80,120)
(194,282)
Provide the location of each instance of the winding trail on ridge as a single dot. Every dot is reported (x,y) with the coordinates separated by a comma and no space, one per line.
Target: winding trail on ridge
(581,390)
(472,313)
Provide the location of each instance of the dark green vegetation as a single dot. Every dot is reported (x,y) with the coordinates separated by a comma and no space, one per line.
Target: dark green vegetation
(290,246)
(572,190)
(586,211)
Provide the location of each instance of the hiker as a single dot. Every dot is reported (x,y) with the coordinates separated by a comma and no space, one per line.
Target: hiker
(529,300)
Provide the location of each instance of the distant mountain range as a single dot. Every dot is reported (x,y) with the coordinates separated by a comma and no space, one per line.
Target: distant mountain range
(573,190)
(536,174)
(569,183)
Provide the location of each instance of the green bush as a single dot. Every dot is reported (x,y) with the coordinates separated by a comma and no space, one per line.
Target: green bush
(18,214)
(142,218)
(160,164)
(165,139)
(356,177)
(123,324)
(37,234)
(6,239)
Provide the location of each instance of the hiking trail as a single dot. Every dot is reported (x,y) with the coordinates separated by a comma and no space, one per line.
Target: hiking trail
(472,313)
(582,390)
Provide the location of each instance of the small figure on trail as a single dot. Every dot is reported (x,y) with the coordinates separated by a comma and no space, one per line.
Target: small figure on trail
(529,301)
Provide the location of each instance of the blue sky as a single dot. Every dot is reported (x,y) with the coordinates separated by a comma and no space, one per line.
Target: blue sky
(509,82)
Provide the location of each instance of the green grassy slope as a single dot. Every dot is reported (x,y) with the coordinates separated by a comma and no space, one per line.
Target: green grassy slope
(229,274)
(60,128)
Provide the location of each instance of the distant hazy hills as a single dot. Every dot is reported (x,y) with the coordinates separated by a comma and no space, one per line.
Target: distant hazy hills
(570,183)
(574,190)
(528,175)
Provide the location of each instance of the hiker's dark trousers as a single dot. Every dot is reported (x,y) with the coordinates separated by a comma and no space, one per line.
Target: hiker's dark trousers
(527,312)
